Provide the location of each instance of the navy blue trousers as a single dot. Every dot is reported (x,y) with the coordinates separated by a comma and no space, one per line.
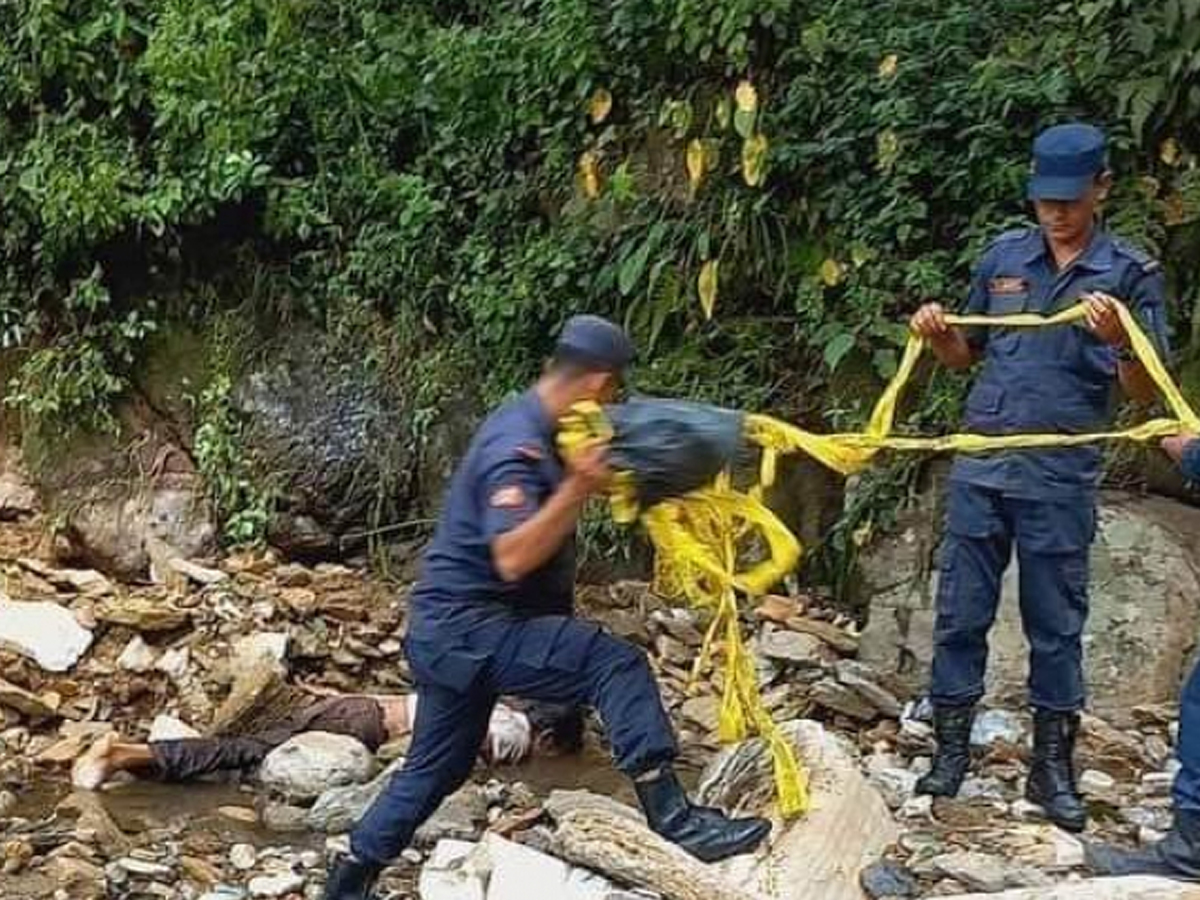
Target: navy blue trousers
(1187,782)
(554,659)
(1052,540)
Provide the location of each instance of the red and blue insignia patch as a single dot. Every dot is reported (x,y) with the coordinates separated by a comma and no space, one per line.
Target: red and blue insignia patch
(511,496)
(1008,286)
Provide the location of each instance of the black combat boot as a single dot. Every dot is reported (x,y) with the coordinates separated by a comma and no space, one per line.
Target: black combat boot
(351,879)
(1051,782)
(1176,856)
(707,834)
(952,728)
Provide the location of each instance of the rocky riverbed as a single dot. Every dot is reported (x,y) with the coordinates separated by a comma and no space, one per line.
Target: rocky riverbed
(81,655)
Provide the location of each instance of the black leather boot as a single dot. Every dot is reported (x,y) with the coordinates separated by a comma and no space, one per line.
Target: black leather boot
(351,879)
(1176,856)
(952,728)
(708,834)
(1051,782)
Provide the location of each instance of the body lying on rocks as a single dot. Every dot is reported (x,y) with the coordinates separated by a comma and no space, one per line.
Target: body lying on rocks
(514,734)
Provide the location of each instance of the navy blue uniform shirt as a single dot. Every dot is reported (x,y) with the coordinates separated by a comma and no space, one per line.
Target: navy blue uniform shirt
(510,469)
(1191,461)
(1060,380)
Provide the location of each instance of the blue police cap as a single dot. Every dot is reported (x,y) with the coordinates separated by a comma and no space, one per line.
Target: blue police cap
(594,342)
(1066,160)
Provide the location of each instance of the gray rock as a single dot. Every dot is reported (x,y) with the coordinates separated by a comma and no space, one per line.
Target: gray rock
(308,764)
(337,809)
(285,818)
(1144,600)
(977,871)
(461,816)
(841,699)
(861,679)
(792,647)
(887,879)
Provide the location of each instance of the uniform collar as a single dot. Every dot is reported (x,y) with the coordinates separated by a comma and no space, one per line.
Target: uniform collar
(1098,257)
(546,426)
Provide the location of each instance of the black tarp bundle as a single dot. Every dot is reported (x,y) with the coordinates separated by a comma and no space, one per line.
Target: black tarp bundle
(672,447)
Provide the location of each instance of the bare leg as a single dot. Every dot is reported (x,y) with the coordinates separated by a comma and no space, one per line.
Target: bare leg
(108,756)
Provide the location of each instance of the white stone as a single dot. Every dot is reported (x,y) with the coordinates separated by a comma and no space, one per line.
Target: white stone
(519,873)
(169,728)
(247,651)
(1134,888)
(174,663)
(920,807)
(138,656)
(275,885)
(454,873)
(45,632)
(309,763)
(1068,850)
(995,725)
(243,857)
(1157,784)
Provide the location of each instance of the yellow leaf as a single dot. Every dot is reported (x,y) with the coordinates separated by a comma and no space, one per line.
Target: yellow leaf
(696,159)
(887,150)
(746,97)
(754,157)
(889,65)
(707,286)
(589,175)
(862,535)
(724,113)
(1170,152)
(831,272)
(600,105)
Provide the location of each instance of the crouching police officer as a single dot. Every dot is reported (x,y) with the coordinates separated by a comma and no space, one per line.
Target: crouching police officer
(1178,854)
(1043,501)
(491,615)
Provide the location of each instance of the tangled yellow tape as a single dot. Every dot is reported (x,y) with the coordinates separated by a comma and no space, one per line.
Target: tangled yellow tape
(702,540)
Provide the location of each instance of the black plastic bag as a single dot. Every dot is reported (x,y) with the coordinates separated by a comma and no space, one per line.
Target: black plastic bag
(673,446)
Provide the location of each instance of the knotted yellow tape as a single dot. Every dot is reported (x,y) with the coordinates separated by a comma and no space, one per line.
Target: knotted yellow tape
(716,542)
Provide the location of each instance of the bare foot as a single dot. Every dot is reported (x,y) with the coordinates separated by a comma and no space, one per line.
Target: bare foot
(93,768)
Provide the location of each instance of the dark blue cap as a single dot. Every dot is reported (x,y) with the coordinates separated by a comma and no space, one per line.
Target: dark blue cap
(1066,160)
(594,342)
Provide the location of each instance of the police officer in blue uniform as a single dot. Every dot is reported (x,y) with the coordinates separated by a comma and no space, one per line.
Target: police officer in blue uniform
(1040,501)
(1178,854)
(491,615)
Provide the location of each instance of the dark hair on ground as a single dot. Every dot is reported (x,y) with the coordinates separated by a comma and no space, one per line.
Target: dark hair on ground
(563,723)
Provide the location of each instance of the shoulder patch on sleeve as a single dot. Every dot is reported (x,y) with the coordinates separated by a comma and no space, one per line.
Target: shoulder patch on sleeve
(511,496)
(1147,262)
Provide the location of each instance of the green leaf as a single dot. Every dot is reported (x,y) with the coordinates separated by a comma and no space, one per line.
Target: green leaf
(836,349)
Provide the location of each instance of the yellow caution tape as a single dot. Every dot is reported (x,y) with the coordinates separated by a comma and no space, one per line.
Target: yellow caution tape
(717,542)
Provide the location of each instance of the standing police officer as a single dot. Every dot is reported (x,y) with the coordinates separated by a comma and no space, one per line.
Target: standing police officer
(491,615)
(1178,854)
(1043,501)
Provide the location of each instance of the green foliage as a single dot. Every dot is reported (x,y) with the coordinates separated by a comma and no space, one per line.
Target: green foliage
(440,167)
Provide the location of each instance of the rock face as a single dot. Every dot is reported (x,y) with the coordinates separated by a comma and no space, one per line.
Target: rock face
(311,762)
(340,438)
(820,854)
(1145,605)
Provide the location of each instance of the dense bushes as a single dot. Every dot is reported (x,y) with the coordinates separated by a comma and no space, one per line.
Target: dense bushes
(469,173)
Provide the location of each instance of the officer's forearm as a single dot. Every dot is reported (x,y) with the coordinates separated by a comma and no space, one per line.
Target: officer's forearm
(1136,382)
(531,544)
(952,349)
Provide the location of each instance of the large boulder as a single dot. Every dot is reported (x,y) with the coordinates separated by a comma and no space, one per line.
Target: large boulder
(1145,604)
(847,827)
(346,440)
(309,763)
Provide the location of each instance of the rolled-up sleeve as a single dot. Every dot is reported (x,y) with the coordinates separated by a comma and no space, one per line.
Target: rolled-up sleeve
(513,490)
